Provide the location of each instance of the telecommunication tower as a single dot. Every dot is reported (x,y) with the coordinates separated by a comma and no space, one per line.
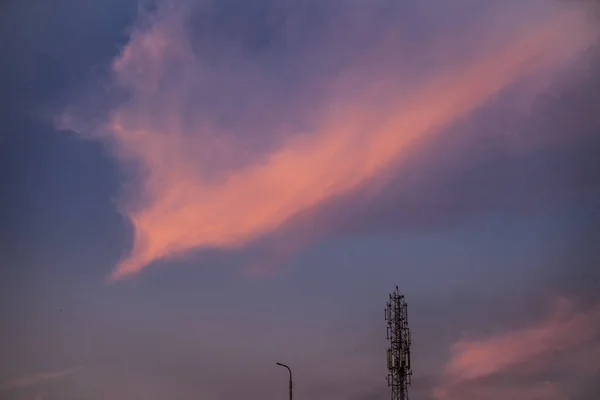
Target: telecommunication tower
(398,354)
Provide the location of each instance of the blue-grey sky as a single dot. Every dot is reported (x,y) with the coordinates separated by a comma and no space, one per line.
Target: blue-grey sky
(195,190)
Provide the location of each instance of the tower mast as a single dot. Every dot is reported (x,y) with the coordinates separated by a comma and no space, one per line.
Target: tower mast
(398,354)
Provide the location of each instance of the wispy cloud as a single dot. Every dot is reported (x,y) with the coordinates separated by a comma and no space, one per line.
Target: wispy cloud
(183,132)
(568,342)
(37,379)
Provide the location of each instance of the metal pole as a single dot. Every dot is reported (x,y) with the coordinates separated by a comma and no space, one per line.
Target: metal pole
(290,371)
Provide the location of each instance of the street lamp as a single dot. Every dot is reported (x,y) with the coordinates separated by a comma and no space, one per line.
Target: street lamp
(290,371)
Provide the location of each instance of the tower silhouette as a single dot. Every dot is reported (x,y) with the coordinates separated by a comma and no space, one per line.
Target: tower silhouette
(398,354)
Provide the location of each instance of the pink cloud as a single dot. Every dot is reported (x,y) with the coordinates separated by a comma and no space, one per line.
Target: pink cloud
(536,391)
(196,186)
(567,339)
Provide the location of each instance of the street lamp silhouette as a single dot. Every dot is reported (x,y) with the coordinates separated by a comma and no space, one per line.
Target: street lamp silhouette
(290,371)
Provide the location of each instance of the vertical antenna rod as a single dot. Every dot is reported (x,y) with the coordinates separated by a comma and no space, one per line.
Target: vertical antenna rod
(398,354)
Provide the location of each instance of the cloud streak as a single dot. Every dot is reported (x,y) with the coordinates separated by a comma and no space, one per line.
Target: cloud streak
(567,342)
(34,380)
(198,182)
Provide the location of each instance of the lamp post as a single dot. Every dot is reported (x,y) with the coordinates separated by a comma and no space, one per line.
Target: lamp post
(290,371)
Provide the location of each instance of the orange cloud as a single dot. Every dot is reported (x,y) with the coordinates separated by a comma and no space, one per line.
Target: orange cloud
(181,206)
(533,348)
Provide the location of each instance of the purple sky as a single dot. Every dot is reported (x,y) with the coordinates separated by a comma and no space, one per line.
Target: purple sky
(196,190)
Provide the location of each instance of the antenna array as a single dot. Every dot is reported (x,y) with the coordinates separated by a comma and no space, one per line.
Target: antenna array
(398,354)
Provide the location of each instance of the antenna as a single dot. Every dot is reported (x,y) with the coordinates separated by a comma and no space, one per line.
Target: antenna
(398,354)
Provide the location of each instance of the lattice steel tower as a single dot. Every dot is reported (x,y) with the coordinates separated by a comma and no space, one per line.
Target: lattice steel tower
(398,354)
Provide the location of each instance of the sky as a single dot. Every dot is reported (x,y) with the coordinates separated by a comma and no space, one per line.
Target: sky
(194,190)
